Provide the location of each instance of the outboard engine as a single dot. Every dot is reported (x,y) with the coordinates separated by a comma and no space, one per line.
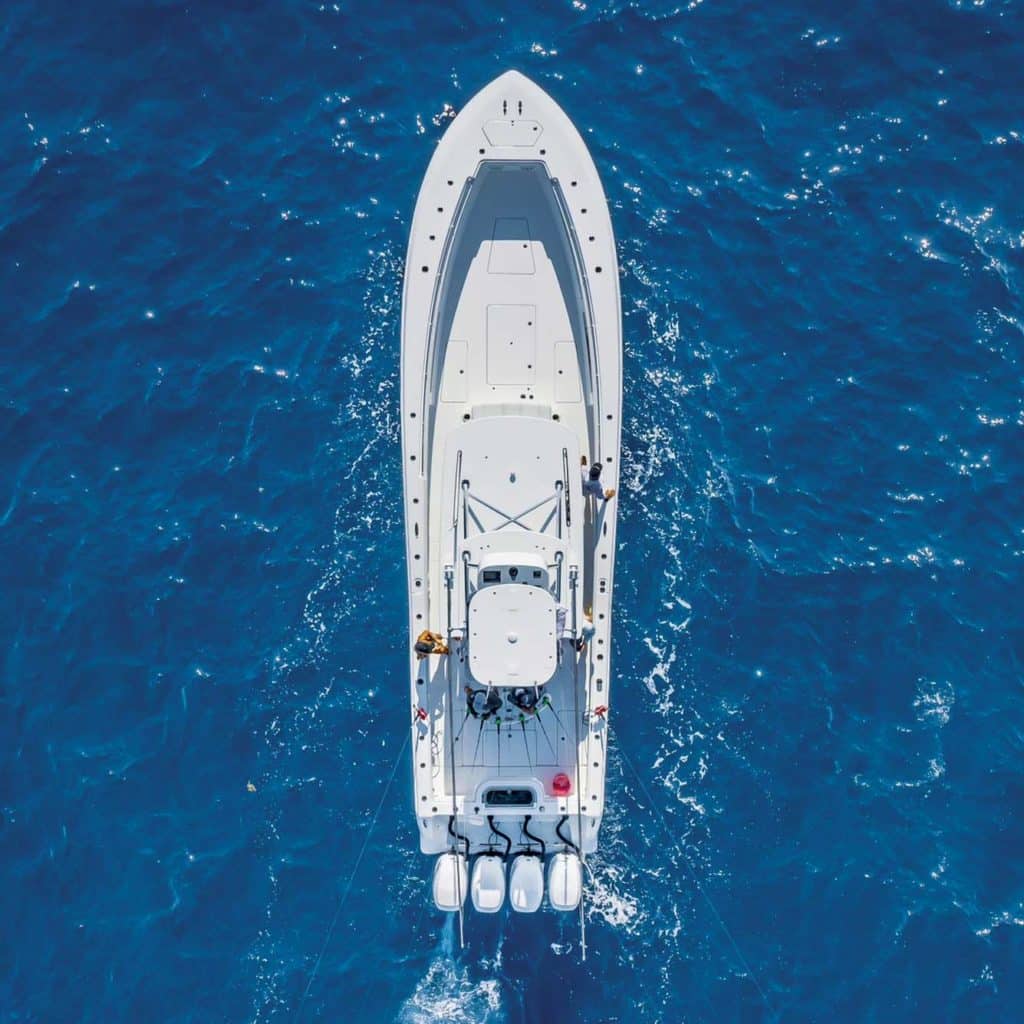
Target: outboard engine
(450,881)
(565,881)
(488,886)
(526,883)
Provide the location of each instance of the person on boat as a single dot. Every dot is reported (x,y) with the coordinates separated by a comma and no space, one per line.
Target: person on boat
(592,485)
(429,643)
(587,632)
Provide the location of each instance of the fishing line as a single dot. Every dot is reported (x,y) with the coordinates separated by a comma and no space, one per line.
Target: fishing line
(476,747)
(462,729)
(744,963)
(526,743)
(543,728)
(547,703)
(351,879)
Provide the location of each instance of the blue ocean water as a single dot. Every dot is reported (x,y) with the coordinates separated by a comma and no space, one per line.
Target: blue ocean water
(820,220)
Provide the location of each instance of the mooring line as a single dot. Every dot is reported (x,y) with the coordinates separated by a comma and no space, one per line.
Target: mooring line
(744,963)
(351,879)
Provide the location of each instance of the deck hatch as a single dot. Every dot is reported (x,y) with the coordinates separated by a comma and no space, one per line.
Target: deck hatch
(453,377)
(511,345)
(567,373)
(500,132)
(511,247)
(512,635)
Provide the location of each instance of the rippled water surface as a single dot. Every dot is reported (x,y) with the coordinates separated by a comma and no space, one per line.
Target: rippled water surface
(818,649)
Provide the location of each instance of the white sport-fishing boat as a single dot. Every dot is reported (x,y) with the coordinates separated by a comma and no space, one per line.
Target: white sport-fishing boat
(511,395)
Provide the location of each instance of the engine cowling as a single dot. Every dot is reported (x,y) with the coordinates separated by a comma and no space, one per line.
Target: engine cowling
(526,883)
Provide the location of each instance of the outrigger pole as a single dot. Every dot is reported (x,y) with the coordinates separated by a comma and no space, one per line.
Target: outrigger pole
(449,577)
(573,583)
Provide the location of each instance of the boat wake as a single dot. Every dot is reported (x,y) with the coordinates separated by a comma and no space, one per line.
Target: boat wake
(296,723)
(447,992)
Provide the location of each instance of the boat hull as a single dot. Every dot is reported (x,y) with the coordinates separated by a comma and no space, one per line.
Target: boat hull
(511,378)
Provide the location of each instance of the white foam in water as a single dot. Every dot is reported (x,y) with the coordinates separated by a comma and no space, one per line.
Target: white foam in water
(608,899)
(614,892)
(446,993)
(934,701)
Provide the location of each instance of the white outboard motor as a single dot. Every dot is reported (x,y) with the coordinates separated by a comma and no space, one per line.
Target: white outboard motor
(450,881)
(565,881)
(488,886)
(526,883)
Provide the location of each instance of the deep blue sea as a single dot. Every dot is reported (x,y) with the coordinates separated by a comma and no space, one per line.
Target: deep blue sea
(819,650)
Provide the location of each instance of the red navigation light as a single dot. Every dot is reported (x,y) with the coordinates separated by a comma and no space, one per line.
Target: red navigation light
(561,784)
